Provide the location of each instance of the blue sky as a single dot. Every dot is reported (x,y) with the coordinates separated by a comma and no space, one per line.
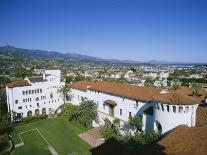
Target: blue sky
(170,30)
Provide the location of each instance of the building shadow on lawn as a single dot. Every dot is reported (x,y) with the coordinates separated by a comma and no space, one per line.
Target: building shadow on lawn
(113,147)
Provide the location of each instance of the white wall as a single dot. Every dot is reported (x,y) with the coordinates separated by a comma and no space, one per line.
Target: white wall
(126,105)
(48,102)
(170,120)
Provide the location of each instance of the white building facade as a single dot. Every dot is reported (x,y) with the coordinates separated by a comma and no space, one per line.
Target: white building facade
(155,115)
(35,95)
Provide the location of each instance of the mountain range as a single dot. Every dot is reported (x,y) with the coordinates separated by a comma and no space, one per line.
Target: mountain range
(75,57)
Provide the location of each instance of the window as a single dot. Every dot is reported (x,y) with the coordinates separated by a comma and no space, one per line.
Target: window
(30,99)
(137,103)
(130,114)
(26,92)
(180,109)
(23,100)
(168,108)
(104,106)
(37,90)
(38,104)
(20,107)
(51,95)
(162,106)
(120,112)
(32,91)
(29,91)
(192,109)
(174,109)
(158,106)
(186,109)
(23,92)
(16,101)
(40,90)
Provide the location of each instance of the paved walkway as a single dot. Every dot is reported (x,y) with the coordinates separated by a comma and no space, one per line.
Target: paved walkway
(92,137)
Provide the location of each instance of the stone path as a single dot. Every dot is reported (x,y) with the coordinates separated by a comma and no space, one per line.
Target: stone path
(92,137)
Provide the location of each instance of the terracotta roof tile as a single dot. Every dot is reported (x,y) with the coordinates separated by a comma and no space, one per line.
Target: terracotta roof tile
(182,96)
(185,140)
(201,116)
(174,98)
(81,85)
(18,83)
(126,90)
(110,102)
(34,79)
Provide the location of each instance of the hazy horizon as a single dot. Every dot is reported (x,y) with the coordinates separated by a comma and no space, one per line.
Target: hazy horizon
(171,30)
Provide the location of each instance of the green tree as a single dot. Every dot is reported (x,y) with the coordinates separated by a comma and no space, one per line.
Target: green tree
(68,79)
(176,84)
(86,112)
(196,89)
(111,129)
(147,138)
(149,82)
(66,95)
(136,122)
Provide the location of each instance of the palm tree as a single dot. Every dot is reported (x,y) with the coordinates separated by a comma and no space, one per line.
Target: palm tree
(196,89)
(65,92)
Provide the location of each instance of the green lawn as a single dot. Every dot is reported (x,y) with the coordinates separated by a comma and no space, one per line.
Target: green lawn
(59,132)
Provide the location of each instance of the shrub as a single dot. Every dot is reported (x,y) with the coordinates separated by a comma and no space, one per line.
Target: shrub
(111,130)
(32,118)
(147,138)
(71,110)
(85,113)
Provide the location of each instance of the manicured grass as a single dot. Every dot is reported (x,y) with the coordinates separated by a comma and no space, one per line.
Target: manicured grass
(59,132)
(34,144)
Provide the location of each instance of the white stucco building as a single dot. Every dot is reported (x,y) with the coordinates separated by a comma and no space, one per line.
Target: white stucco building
(35,95)
(159,110)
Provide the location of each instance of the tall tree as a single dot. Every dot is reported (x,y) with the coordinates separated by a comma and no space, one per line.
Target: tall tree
(66,95)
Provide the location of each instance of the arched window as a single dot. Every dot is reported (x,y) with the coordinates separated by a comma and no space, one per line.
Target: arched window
(168,108)
(180,109)
(174,109)
(162,106)
(29,113)
(37,112)
(186,109)
(43,110)
(158,106)
(192,108)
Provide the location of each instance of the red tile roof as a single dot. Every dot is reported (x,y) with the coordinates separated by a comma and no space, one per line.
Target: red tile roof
(185,140)
(81,85)
(147,94)
(201,116)
(18,83)
(174,98)
(110,102)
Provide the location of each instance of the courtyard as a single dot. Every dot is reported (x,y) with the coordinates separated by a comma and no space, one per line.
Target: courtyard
(50,136)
